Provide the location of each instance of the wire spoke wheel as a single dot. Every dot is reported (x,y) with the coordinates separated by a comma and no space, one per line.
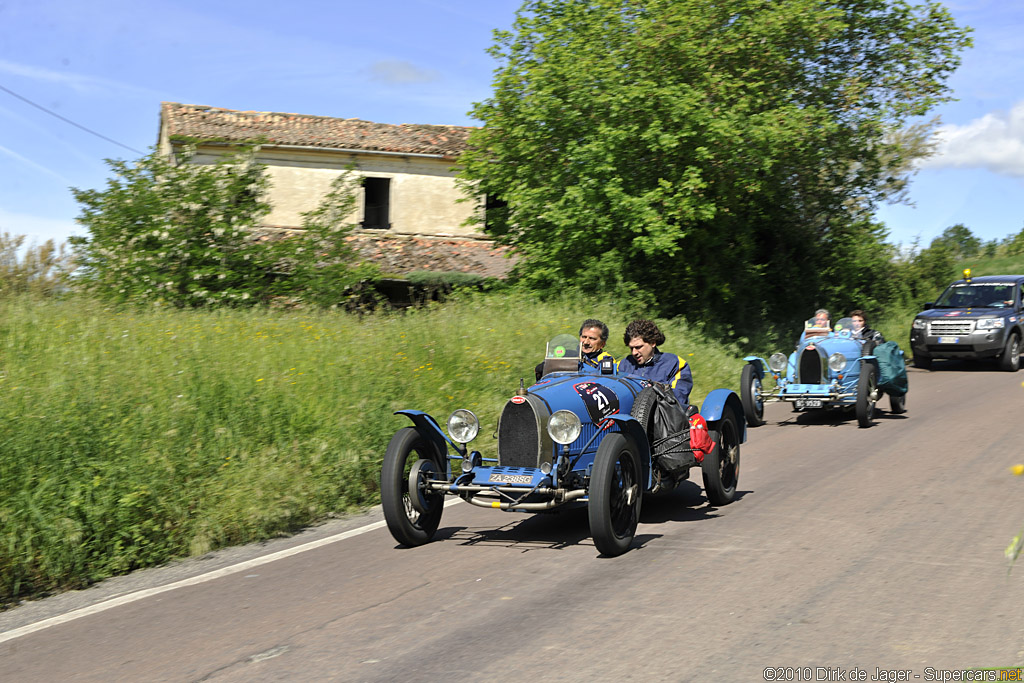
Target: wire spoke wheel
(409,526)
(615,495)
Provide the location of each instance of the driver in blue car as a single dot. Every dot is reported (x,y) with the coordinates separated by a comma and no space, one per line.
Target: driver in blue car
(645,360)
(593,337)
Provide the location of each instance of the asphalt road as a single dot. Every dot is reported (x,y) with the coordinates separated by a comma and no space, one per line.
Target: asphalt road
(848,550)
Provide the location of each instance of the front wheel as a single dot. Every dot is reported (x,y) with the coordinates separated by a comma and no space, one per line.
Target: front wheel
(721,467)
(615,494)
(1010,360)
(750,394)
(867,394)
(410,526)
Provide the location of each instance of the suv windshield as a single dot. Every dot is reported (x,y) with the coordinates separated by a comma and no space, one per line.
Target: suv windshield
(988,295)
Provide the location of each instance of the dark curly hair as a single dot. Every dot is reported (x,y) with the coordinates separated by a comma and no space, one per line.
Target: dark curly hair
(592,322)
(646,330)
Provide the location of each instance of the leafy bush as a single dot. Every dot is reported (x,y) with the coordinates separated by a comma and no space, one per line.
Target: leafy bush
(188,235)
(176,232)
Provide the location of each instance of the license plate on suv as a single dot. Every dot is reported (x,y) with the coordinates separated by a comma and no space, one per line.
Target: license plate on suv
(809,402)
(949,340)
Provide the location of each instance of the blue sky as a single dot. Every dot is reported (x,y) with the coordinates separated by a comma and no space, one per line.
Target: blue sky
(107,64)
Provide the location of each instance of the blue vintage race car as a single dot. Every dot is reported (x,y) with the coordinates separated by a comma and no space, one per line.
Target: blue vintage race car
(829,369)
(580,436)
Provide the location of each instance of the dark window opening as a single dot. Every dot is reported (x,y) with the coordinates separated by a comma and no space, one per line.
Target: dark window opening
(376,199)
(495,212)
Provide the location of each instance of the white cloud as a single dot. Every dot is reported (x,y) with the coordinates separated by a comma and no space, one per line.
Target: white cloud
(396,71)
(994,142)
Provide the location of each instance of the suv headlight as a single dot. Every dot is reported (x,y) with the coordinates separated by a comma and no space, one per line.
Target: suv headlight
(777,362)
(920,323)
(991,324)
(463,425)
(564,427)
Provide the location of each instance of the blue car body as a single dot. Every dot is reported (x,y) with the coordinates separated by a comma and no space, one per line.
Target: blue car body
(829,369)
(530,472)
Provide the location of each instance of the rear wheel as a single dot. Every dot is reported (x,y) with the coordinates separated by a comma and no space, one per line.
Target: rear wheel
(867,394)
(410,526)
(750,393)
(1010,360)
(897,404)
(721,467)
(615,494)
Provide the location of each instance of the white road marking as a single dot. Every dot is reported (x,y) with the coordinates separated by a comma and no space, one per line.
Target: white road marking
(202,578)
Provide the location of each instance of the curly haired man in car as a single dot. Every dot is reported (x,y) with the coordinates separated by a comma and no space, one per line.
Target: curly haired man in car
(645,360)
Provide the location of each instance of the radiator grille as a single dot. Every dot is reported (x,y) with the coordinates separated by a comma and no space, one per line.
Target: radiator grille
(809,367)
(950,327)
(519,436)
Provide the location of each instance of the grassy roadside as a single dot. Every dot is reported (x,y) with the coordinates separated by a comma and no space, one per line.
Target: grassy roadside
(129,438)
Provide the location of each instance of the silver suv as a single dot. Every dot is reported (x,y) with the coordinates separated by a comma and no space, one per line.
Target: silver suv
(981,317)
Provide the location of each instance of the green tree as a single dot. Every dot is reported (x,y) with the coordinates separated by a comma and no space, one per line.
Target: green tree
(1015,244)
(707,152)
(36,268)
(959,241)
(172,231)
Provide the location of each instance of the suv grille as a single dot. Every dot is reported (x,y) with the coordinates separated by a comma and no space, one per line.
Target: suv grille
(946,327)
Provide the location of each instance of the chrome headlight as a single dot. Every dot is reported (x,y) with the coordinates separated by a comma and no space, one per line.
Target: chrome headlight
(919,323)
(836,362)
(564,427)
(463,425)
(777,362)
(990,324)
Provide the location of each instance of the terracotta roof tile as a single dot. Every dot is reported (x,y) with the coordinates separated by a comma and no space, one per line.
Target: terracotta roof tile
(401,255)
(210,123)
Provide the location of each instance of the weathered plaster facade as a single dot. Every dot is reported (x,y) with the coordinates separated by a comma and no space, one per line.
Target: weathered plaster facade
(410,171)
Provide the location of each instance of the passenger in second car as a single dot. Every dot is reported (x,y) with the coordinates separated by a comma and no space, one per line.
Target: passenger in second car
(861,329)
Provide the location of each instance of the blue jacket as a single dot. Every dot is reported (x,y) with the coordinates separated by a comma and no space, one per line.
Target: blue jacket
(665,368)
(590,363)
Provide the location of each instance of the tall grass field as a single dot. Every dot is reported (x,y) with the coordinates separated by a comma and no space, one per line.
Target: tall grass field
(129,438)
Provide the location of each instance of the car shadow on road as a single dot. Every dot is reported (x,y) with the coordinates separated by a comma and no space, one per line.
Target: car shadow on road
(687,503)
(526,531)
(834,417)
(571,527)
(958,365)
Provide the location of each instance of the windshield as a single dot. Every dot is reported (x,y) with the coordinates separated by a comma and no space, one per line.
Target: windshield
(563,346)
(988,295)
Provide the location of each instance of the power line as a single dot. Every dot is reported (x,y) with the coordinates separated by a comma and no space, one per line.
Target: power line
(52,113)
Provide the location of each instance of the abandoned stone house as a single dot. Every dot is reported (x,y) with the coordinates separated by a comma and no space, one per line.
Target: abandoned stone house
(409,215)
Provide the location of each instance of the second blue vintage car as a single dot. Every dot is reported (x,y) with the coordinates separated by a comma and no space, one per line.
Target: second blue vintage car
(830,369)
(579,436)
